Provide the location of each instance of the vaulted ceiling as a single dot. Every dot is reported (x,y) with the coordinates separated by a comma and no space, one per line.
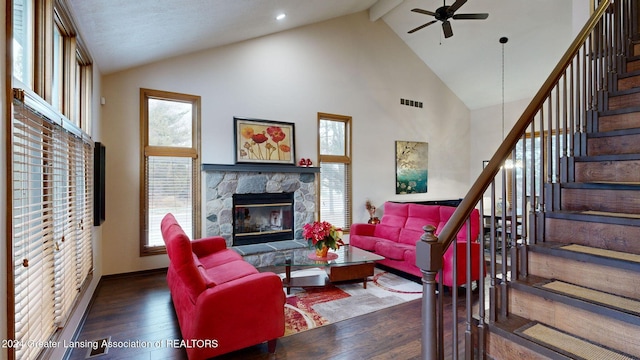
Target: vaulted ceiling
(122,33)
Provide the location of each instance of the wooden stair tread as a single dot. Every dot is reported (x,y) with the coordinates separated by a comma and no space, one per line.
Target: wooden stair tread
(627,219)
(590,254)
(602,252)
(630,73)
(632,91)
(617,182)
(594,296)
(568,344)
(626,110)
(614,133)
(588,213)
(619,157)
(600,184)
(607,304)
(506,328)
(611,214)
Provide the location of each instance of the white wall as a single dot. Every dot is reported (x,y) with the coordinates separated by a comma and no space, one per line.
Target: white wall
(486,127)
(580,15)
(348,66)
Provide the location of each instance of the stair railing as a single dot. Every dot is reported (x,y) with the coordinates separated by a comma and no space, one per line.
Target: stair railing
(520,183)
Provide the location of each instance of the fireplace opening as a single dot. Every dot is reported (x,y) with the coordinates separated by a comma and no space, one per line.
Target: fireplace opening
(261,218)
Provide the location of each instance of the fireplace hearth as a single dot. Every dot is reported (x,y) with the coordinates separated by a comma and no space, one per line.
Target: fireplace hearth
(261,218)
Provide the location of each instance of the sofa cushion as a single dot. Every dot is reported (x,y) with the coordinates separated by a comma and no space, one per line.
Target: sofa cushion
(421,215)
(227,272)
(387,232)
(177,243)
(409,236)
(392,250)
(362,229)
(219,258)
(364,242)
(395,214)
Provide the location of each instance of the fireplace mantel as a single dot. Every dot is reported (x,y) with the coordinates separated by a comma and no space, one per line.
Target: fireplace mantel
(270,168)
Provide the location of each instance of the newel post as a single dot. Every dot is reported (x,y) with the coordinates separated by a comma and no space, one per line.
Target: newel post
(429,260)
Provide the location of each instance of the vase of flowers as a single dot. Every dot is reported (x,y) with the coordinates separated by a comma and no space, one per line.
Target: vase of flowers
(322,236)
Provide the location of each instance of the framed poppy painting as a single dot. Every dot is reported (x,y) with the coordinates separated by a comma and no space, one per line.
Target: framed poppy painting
(264,141)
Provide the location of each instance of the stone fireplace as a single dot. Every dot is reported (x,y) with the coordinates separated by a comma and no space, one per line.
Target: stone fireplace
(223,181)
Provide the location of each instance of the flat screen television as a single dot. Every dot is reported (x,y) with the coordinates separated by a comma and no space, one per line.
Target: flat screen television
(99,164)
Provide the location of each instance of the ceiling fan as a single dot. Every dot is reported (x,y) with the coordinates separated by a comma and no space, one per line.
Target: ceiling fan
(444,13)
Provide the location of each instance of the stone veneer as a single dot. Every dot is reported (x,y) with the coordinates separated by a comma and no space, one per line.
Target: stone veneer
(220,187)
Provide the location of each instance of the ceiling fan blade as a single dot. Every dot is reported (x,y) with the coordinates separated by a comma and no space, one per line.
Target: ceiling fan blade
(424,12)
(421,27)
(456,5)
(470,16)
(446,27)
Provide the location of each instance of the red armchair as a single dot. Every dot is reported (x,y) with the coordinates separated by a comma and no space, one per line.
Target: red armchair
(222,302)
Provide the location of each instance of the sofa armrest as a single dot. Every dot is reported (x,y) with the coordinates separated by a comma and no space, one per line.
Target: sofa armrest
(205,246)
(362,229)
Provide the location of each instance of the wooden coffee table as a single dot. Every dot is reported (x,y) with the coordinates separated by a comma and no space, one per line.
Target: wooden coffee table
(351,263)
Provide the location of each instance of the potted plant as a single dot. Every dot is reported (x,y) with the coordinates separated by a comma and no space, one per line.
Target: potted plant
(322,236)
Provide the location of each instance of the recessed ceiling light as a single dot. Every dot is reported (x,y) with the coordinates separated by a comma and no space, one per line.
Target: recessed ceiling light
(281,16)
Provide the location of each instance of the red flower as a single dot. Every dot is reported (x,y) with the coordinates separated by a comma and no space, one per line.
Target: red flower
(276,133)
(322,233)
(285,148)
(259,138)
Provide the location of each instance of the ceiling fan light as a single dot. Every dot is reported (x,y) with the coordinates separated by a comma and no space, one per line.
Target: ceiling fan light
(281,16)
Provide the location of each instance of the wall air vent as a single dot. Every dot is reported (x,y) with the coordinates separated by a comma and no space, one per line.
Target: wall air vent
(413,103)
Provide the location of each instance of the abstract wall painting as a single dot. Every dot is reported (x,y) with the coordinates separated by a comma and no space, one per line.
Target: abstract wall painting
(412,160)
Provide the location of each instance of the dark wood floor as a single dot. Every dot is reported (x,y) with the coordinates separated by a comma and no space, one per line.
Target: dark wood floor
(138,307)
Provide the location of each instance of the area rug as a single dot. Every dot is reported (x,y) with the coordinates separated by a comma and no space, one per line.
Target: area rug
(308,308)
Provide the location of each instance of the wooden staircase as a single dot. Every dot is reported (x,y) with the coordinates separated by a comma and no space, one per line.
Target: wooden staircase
(579,294)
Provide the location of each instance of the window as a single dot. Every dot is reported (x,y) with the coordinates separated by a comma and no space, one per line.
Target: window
(83,90)
(545,148)
(58,62)
(23,41)
(170,124)
(52,216)
(51,175)
(49,59)
(334,149)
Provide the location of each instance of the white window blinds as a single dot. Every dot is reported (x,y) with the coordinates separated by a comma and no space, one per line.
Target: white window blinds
(52,197)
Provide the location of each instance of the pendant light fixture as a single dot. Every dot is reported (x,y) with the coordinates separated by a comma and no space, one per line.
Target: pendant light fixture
(508,164)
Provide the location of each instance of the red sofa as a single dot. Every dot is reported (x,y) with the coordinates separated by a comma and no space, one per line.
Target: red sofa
(400,229)
(222,302)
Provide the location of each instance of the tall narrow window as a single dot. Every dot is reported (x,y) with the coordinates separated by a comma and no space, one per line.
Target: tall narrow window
(171,165)
(23,23)
(334,155)
(58,63)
